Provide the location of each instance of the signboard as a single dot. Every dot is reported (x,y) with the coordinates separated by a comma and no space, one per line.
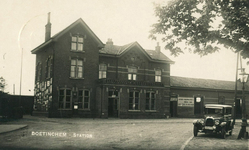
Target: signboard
(186,101)
(173,99)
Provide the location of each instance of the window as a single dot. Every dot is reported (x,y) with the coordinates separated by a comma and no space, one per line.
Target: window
(48,67)
(38,72)
(158,74)
(84,99)
(77,43)
(132,73)
(102,71)
(76,68)
(65,100)
(150,101)
(134,100)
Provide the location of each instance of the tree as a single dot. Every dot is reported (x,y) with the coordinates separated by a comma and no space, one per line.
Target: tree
(2,84)
(203,25)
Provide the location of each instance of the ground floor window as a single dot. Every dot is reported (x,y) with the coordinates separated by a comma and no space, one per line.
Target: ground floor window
(65,99)
(150,101)
(84,99)
(133,100)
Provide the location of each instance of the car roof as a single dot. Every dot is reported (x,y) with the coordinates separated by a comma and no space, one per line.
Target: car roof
(218,106)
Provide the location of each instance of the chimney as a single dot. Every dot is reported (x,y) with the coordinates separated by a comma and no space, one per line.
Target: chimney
(48,29)
(158,51)
(109,42)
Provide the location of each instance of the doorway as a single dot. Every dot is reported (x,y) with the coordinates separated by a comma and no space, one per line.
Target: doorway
(238,108)
(113,104)
(198,105)
(112,107)
(173,108)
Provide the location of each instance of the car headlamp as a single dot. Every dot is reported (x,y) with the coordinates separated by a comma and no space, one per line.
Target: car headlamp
(217,122)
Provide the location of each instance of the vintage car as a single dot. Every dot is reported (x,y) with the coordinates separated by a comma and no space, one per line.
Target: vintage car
(217,119)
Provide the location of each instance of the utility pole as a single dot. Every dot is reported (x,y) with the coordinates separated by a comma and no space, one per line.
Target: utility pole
(235,93)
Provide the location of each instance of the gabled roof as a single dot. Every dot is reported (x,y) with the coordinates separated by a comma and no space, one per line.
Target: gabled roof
(56,36)
(114,49)
(120,50)
(202,83)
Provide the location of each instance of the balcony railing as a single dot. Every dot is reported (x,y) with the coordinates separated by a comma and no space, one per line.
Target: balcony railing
(130,82)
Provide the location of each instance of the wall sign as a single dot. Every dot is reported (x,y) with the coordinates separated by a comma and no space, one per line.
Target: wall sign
(186,101)
(172,99)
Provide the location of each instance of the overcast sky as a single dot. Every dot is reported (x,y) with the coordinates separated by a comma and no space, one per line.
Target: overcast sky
(23,27)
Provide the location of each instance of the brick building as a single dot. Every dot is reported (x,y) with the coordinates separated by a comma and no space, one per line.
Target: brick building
(78,75)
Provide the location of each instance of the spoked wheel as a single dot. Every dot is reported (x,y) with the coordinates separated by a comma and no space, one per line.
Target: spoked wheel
(223,133)
(195,131)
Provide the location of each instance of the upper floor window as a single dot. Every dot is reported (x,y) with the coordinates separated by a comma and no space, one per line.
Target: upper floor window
(76,68)
(134,100)
(150,101)
(49,67)
(77,43)
(38,72)
(84,99)
(65,99)
(102,71)
(158,75)
(132,73)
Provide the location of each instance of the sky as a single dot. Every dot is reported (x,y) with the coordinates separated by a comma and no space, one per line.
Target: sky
(22,28)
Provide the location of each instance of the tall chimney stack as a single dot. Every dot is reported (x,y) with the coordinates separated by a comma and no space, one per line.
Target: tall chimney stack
(48,29)
(158,48)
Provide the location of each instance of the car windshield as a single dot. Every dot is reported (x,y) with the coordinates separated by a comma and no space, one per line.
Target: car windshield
(213,111)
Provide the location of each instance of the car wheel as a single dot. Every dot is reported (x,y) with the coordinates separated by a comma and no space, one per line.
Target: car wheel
(223,133)
(195,131)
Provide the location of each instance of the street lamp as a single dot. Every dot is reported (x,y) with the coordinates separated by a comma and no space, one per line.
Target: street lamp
(243,79)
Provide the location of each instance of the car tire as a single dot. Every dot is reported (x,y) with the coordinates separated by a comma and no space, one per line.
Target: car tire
(223,133)
(195,131)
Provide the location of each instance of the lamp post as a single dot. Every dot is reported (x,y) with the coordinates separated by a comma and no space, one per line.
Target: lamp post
(243,79)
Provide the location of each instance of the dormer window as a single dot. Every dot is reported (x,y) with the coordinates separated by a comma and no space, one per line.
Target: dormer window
(77,43)
(158,75)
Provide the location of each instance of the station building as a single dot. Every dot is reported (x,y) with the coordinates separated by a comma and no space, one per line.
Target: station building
(189,95)
(79,76)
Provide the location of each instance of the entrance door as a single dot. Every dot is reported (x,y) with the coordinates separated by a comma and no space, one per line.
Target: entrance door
(112,107)
(173,108)
(198,105)
(75,104)
(238,109)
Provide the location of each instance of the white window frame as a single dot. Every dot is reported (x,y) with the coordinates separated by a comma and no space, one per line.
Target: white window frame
(102,71)
(132,73)
(134,101)
(158,75)
(64,99)
(77,43)
(82,99)
(150,99)
(78,68)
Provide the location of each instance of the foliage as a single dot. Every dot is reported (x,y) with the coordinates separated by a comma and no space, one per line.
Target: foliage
(2,84)
(203,25)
